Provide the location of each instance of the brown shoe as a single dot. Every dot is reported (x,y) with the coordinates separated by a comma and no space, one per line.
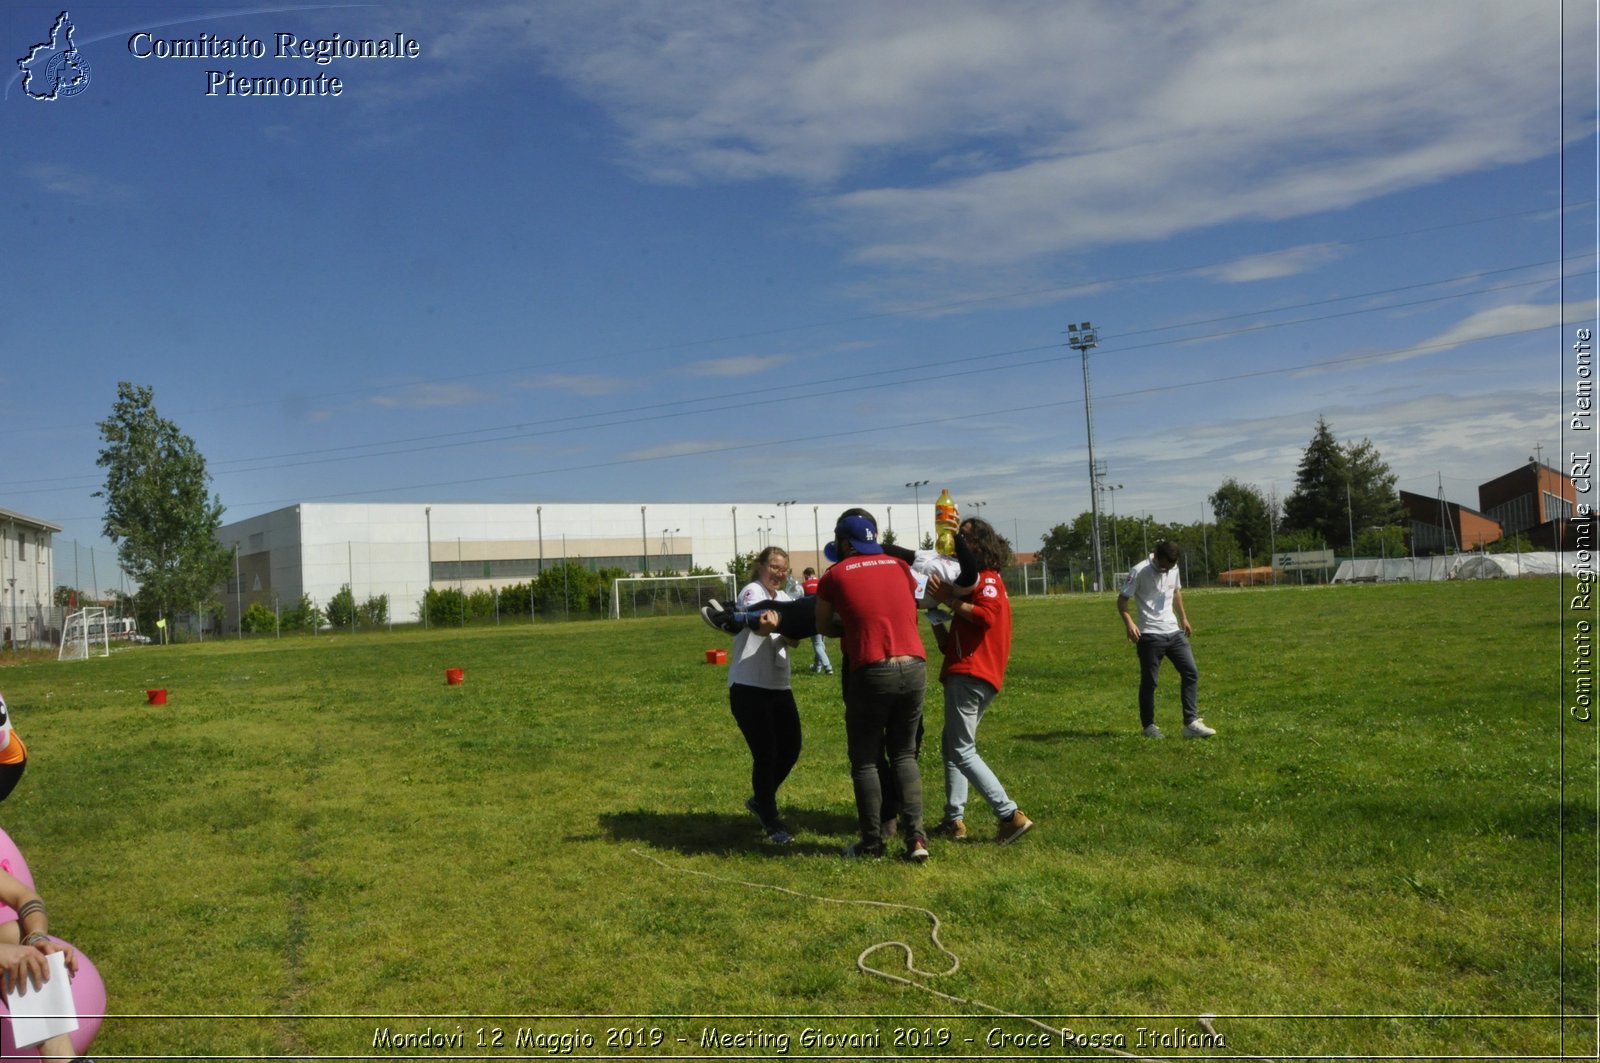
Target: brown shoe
(951,828)
(1013,828)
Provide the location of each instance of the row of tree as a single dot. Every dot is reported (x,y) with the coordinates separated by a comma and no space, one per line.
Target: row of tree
(1344,499)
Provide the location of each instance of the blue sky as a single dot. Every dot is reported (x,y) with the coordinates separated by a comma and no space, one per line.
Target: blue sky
(688,251)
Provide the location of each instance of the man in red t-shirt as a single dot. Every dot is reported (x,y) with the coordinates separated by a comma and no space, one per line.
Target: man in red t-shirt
(976,650)
(868,600)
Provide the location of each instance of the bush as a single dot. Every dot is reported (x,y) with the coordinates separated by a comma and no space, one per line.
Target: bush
(481,605)
(517,599)
(257,619)
(342,608)
(442,607)
(303,615)
(375,611)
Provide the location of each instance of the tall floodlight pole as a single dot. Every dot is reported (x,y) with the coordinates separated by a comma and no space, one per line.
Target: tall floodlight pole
(1082,339)
(916,501)
(734,513)
(785,507)
(644,545)
(816,533)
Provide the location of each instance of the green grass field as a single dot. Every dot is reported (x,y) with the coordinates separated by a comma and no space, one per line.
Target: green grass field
(1368,859)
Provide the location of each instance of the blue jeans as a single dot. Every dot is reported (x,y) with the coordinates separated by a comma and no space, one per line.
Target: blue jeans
(882,712)
(1152,649)
(819,647)
(966,698)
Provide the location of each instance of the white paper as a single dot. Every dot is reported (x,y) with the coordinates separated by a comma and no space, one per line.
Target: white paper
(46,1011)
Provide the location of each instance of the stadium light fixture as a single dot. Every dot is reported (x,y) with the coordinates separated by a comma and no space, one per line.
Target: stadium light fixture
(916,500)
(785,507)
(1083,339)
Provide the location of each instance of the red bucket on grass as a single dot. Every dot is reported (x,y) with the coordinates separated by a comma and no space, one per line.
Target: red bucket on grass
(454,676)
(716,656)
(157,697)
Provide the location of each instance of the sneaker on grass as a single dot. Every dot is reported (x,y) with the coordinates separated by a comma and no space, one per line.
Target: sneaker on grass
(1013,828)
(951,828)
(1153,732)
(1196,728)
(917,851)
(777,831)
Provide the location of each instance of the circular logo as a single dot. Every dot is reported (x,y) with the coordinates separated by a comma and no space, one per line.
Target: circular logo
(67,74)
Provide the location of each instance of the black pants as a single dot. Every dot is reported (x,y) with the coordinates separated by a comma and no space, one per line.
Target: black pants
(770,722)
(883,719)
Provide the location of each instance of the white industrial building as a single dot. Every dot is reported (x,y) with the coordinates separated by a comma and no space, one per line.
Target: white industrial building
(27,578)
(402,548)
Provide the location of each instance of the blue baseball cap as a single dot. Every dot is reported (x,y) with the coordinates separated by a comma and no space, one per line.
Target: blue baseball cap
(861,532)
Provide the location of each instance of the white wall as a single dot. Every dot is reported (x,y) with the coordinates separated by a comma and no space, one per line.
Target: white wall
(383,548)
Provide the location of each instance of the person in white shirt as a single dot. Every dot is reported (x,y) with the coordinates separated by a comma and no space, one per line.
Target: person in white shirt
(760,696)
(1161,631)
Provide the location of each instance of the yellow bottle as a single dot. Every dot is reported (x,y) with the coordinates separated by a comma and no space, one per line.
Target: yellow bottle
(945,520)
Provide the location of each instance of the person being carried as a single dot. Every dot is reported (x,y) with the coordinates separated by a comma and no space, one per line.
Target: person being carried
(797,618)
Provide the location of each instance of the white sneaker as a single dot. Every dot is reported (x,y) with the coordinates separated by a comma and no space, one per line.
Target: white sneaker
(1153,732)
(1196,728)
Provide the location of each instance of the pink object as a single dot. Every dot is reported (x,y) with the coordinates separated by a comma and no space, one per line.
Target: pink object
(88,997)
(12,863)
(88,988)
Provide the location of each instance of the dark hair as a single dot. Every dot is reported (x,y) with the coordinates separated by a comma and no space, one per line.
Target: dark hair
(1168,551)
(989,548)
(809,571)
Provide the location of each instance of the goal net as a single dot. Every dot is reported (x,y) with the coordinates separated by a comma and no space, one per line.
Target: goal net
(636,596)
(85,635)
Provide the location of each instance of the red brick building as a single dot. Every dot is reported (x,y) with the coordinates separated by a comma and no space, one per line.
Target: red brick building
(1439,527)
(1534,500)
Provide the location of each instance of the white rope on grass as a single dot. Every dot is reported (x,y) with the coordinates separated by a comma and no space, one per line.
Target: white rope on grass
(910,956)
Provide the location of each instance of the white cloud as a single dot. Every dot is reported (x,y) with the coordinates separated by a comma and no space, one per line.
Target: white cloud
(587,386)
(81,187)
(746,365)
(675,449)
(1506,320)
(1000,133)
(1275,264)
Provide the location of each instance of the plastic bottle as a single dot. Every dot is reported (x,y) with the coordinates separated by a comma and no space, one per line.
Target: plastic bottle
(945,521)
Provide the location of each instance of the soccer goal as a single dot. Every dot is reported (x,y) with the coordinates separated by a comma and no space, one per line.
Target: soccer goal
(635,596)
(85,635)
